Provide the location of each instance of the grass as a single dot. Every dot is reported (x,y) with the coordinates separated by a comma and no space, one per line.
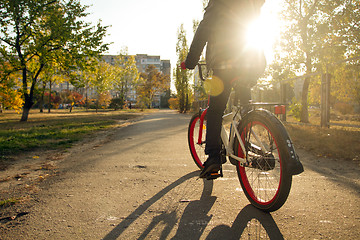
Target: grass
(59,129)
(335,142)
(8,202)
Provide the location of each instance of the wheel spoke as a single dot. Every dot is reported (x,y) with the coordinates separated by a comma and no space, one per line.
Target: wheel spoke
(263,182)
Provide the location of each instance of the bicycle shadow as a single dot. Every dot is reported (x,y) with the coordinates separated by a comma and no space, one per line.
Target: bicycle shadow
(195,218)
(170,219)
(193,221)
(251,223)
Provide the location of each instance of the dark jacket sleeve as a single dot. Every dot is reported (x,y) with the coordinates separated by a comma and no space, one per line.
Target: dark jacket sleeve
(201,37)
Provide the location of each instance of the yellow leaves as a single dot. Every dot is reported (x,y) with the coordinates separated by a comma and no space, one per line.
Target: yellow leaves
(10,98)
(42,177)
(173,103)
(17,103)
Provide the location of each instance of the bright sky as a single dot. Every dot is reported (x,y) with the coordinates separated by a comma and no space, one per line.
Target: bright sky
(144,26)
(150,26)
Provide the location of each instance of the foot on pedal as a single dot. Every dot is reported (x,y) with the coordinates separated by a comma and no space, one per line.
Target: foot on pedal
(213,175)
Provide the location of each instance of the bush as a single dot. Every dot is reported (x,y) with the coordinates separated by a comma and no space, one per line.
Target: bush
(295,109)
(117,103)
(173,103)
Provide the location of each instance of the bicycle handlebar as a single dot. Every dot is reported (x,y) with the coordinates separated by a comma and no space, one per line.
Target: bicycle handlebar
(200,70)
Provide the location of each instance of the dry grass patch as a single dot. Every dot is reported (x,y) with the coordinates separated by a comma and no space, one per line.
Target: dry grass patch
(334,142)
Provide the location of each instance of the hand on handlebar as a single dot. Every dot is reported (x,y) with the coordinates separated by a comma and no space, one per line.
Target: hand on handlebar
(183,66)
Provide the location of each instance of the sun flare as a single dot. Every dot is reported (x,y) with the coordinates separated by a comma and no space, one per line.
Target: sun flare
(264,31)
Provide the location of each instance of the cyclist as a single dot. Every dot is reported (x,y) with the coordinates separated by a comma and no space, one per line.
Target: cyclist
(223,28)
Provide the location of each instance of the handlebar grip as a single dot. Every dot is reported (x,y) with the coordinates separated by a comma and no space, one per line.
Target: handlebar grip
(200,71)
(183,66)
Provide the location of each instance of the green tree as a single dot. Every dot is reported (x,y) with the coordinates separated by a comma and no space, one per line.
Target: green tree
(83,77)
(43,31)
(49,76)
(126,75)
(182,76)
(102,80)
(345,35)
(150,84)
(306,44)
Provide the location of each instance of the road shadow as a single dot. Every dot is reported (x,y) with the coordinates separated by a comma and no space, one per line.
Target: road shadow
(169,219)
(195,217)
(251,223)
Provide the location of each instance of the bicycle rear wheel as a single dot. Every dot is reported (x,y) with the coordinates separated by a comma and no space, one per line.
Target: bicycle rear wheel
(265,180)
(197,148)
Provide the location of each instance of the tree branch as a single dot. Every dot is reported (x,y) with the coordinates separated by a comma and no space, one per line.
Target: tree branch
(7,41)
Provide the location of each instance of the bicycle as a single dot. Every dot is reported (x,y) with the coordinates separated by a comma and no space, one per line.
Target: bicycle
(258,144)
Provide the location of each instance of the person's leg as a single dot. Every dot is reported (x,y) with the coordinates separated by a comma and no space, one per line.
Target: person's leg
(243,94)
(214,121)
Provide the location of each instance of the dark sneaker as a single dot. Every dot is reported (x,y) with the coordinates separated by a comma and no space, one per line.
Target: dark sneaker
(211,165)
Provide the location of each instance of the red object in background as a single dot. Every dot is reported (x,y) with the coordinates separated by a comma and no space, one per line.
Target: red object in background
(280,109)
(182,65)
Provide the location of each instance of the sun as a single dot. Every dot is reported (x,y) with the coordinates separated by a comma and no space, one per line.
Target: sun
(265,30)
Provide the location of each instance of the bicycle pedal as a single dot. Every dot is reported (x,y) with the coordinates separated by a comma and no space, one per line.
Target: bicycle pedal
(214,175)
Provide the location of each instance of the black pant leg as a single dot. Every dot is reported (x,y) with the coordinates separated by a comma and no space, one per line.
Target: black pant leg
(214,115)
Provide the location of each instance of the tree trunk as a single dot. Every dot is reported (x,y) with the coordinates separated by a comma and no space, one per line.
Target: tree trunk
(49,104)
(25,114)
(86,98)
(304,114)
(42,98)
(26,109)
(28,97)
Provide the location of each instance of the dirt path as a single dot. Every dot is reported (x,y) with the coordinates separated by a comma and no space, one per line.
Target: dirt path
(139,182)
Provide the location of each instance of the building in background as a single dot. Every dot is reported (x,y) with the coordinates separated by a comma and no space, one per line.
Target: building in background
(164,66)
(142,62)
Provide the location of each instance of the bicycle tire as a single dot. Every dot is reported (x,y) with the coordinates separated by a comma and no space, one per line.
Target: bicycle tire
(197,150)
(267,182)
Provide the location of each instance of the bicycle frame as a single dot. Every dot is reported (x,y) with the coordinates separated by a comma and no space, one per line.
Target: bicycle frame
(228,139)
(256,142)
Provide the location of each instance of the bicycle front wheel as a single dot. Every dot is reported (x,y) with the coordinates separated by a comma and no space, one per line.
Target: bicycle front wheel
(264,179)
(196,139)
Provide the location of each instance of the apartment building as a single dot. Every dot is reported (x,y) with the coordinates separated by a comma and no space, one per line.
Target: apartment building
(164,66)
(142,62)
